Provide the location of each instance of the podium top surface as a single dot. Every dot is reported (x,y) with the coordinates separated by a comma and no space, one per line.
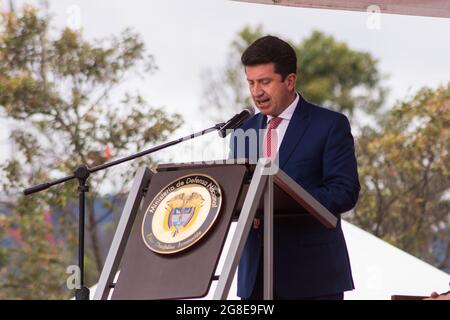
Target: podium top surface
(199,164)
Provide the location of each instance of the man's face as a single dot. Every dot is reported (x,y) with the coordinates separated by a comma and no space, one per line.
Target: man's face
(270,94)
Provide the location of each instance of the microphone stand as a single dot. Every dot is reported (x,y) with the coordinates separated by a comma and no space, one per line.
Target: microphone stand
(82,173)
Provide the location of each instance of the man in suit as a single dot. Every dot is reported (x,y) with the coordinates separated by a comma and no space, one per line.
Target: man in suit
(315,147)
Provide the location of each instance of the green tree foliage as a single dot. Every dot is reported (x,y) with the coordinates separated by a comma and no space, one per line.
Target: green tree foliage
(329,74)
(333,75)
(404,170)
(61,92)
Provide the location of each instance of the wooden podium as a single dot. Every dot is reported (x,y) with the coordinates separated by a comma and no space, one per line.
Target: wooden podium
(133,271)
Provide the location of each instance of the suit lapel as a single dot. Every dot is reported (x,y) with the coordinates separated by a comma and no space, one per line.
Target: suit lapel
(297,126)
(261,125)
(262,121)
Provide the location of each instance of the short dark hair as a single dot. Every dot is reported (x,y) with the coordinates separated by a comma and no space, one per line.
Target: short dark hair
(270,49)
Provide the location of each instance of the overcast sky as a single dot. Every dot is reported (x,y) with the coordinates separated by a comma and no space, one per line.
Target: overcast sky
(188,37)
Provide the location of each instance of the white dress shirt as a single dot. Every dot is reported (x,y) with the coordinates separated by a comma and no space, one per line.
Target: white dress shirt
(286,115)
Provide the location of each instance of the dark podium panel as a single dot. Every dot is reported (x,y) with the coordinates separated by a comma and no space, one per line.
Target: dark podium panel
(145,274)
(284,205)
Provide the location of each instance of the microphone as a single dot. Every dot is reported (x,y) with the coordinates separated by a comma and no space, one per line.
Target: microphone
(237,120)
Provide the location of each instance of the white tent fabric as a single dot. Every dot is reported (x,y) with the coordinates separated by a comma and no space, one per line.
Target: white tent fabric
(380,270)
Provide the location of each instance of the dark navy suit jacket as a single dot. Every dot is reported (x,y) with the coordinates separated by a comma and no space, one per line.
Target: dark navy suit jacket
(310,260)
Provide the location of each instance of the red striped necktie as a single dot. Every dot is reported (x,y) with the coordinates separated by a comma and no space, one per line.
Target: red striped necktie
(271,143)
(270,149)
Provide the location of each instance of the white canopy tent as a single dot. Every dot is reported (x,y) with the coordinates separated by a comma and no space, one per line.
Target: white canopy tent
(381,270)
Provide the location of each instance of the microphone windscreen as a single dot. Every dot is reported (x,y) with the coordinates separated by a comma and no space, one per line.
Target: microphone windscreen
(250,110)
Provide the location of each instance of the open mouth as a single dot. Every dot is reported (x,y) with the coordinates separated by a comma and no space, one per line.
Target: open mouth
(262,103)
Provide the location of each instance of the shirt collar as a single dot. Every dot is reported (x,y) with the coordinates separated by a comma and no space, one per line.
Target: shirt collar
(289,111)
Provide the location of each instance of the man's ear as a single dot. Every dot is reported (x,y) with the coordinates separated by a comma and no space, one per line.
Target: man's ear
(291,80)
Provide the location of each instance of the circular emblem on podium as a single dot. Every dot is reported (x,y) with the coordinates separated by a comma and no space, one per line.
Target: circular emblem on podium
(181,213)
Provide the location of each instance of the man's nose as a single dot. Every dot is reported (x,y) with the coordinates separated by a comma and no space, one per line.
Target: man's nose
(257,90)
